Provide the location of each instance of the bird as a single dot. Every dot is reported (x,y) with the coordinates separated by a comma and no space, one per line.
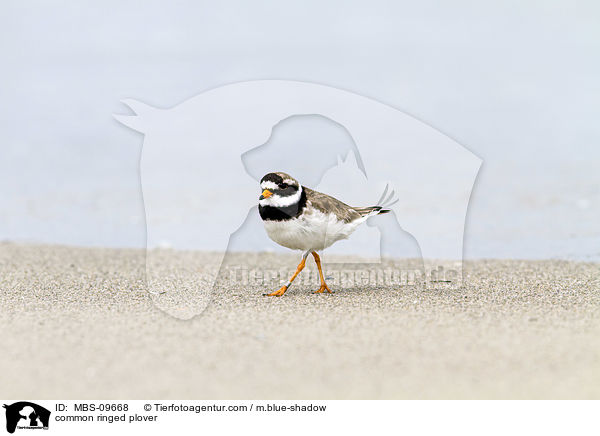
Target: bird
(299,218)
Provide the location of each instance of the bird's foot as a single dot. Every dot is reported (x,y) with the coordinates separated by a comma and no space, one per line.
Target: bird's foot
(323,288)
(277,293)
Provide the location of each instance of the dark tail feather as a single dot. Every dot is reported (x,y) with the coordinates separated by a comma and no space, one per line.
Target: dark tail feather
(369,210)
(385,201)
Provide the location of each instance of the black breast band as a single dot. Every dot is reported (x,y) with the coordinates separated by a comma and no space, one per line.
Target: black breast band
(271,213)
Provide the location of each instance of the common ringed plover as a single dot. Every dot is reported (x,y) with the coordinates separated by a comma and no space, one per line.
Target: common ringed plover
(299,218)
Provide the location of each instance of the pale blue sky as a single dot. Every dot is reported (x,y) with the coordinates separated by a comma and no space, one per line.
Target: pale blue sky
(515,82)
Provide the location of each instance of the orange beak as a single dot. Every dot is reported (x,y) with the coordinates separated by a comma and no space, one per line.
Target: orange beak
(265,194)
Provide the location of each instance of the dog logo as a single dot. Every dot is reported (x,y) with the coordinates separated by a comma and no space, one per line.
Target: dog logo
(26,415)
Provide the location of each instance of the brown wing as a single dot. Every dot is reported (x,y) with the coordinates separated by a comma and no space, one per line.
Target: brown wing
(327,204)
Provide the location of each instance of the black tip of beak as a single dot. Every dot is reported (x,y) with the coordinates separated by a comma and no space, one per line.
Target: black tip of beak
(262,197)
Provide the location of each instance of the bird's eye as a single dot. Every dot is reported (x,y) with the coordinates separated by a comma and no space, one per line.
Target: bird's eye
(283,186)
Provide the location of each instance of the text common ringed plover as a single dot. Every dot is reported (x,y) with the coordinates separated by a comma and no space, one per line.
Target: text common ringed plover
(299,218)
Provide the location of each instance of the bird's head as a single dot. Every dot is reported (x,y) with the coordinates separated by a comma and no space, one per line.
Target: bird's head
(279,190)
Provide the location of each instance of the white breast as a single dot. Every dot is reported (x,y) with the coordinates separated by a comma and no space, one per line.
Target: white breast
(313,230)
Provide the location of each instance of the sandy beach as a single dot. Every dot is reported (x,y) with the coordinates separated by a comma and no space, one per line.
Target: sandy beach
(79,323)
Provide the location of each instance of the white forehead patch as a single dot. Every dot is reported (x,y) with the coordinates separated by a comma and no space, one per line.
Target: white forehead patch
(278,201)
(269,185)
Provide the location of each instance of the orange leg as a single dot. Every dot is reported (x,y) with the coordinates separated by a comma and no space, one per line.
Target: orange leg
(323,287)
(281,291)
